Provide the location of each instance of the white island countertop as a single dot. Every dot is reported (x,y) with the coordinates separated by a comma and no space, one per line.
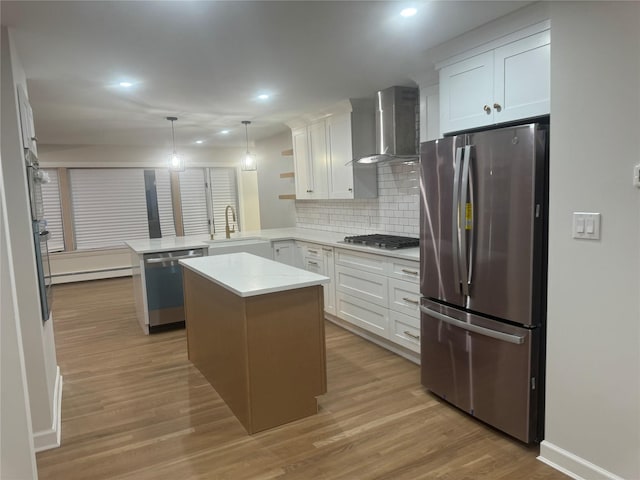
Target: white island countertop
(248,275)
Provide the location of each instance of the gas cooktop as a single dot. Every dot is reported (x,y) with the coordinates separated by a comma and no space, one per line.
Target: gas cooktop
(383,241)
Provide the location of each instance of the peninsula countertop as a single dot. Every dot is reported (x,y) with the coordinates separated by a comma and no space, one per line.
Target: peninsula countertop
(248,275)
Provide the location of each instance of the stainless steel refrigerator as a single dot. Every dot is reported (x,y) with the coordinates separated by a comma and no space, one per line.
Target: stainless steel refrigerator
(483,263)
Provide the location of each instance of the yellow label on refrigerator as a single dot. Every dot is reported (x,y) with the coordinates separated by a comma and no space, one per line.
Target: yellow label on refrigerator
(468,217)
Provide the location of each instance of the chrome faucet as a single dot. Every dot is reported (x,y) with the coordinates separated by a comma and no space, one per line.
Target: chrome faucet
(228,230)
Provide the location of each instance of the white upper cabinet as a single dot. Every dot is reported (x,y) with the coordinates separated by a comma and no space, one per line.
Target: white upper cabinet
(503,84)
(324,151)
(304,180)
(310,161)
(340,174)
(318,156)
(522,78)
(351,135)
(465,89)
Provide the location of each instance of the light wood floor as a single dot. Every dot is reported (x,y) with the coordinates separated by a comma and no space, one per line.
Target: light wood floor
(135,408)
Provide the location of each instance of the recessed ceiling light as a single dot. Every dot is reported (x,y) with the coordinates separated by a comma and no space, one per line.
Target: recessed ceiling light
(199,141)
(126,84)
(263,96)
(224,132)
(409,12)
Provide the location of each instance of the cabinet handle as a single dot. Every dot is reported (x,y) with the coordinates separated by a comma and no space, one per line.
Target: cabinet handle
(312,251)
(312,263)
(327,249)
(350,189)
(410,272)
(487,109)
(410,300)
(309,191)
(35,139)
(497,106)
(409,334)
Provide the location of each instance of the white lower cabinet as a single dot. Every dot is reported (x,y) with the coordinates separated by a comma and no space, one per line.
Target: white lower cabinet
(366,286)
(363,314)
(404,297)
(405,330)
(285,251)
(319,259)
(379,294)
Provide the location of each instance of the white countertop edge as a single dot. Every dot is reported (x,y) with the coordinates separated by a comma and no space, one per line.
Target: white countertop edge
(314,279)
(275,235)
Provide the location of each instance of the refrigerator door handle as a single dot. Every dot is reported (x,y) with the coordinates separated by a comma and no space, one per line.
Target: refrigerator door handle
(472,234)
(505,337)
(466,223)
(455,221)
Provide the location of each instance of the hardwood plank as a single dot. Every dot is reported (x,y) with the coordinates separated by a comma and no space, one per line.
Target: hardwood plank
(134,407)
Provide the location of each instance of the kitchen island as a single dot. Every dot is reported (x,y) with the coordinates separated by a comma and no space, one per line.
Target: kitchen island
(255,330)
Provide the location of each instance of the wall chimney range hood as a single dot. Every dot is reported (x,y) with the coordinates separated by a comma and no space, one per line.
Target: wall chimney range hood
(396,126)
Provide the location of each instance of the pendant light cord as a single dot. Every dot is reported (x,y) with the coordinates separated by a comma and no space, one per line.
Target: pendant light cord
(173,138)
(246,130)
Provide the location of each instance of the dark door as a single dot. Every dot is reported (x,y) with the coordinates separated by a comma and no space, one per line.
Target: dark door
(483,366)
(444,359)
(440,163)
(503,209)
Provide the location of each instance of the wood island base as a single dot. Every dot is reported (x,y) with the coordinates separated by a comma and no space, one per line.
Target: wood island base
(263,354)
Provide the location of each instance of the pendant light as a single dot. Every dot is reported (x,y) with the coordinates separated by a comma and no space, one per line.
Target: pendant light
(176,163)
(249,163)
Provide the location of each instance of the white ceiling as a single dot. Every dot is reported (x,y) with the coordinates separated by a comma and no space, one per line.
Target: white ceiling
(205,62)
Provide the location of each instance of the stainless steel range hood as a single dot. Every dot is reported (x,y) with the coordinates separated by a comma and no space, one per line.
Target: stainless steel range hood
(396,126)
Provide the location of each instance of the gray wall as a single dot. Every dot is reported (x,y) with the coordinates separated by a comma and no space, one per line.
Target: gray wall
(26,393)
(593,347)
(275,213)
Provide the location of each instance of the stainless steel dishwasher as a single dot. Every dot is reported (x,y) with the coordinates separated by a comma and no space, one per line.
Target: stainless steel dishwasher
(163,279)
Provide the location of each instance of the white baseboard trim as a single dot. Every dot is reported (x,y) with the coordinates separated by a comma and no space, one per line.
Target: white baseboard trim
(572,465)
(48,439)
(84,276)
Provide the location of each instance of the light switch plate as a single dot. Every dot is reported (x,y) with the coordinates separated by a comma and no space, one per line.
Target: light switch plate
(636,176)
(586,225)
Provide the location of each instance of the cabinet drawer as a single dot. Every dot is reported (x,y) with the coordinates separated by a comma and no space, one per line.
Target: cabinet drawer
(405,270)
(404,297)
(366,286)
(362,261)
(310,250)
(363,314)
(404,330)
(313,265)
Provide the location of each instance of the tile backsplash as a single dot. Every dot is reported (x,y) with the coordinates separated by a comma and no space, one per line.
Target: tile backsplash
(396,210)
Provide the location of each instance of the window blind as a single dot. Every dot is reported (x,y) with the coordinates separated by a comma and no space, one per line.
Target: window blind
(165,206)
(193,195)
(53,210)
(109,206)
(224,191)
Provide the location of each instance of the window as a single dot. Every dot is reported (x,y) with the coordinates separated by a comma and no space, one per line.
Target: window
(53,211)
(205,194)
(224,192)
(193,195)
(112,205)
(165,205)
(109,206)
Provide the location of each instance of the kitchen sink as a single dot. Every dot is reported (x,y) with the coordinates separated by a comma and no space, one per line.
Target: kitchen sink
(256,246)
